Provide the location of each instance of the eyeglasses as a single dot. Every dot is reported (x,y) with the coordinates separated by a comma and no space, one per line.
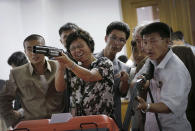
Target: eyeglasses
(73,48)
(120,40)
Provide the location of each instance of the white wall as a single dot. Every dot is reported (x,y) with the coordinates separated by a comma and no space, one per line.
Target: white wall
(20,18)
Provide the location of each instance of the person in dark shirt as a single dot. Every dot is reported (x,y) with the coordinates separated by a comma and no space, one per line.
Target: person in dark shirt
(188,58)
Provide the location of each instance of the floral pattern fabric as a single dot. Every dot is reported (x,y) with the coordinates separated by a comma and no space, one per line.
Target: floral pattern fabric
(93,98)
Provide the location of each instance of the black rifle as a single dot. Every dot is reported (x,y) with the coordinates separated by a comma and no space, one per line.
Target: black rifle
(47,51)
(138,86)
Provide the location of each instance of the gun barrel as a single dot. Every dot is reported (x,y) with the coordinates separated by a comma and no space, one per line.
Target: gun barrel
(47,51)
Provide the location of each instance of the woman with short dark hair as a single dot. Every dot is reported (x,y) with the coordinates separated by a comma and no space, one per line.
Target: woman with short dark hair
(91,79)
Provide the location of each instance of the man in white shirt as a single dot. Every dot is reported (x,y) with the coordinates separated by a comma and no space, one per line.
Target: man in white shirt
(170,85)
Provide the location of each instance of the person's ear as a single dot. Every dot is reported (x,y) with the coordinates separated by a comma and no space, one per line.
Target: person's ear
(25,49)
(167,40)
(60,41)
(106,38)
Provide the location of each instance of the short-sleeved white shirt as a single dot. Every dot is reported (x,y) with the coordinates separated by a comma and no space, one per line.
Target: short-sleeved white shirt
(170,85)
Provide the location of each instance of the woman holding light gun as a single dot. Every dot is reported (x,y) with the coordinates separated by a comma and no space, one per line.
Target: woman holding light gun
(91,81)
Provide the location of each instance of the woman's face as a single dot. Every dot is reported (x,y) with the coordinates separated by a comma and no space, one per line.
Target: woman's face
(80,50)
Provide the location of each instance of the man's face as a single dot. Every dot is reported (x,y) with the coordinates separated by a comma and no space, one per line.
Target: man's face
(33,58)
(155,46)
(115,41)
(138,40)
(64,36)
(138,54)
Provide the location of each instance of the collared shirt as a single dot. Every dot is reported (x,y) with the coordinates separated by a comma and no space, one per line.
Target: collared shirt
(170,85)
(38,95)
(31,69)
(118,67)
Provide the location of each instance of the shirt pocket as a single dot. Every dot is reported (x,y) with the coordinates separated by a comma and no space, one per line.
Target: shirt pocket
(29,91)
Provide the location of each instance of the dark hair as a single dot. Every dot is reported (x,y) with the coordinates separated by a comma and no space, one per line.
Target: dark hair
(178,35)
(68,26)
(157,27)
(17,59)
(117,25)
(82,35)
(34,37)
(123,58)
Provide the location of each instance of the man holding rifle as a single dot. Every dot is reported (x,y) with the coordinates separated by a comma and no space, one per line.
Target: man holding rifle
(34,84)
